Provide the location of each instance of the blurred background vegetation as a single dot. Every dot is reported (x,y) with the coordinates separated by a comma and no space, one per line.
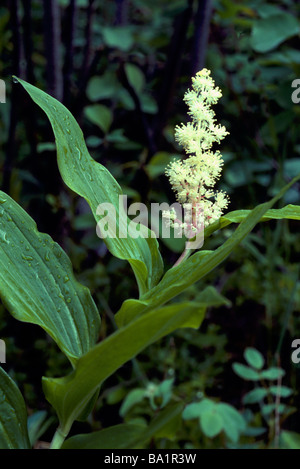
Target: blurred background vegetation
(122,67)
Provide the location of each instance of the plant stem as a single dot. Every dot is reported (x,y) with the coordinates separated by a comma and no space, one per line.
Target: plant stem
(58,439)
(186,253)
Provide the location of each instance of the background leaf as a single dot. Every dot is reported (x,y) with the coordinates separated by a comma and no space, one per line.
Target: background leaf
(13,415)
(254,396)
(289,440)
(119,37)
(254,358)
(246,372)
(233,422)
(37,425)
(133,397)
(211,422)
(269,32)
(99,115)
(273,373)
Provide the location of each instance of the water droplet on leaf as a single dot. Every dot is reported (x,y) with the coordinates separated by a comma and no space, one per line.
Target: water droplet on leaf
(27,258)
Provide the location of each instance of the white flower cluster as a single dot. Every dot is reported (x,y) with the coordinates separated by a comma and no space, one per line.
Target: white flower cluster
(193,178)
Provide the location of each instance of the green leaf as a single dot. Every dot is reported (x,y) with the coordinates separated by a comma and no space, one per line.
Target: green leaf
(70,394)
(164,391)
(101,87)
(233,422)
(164,425)
(254,358)
(37,425)
(196,409)
(94,182)
(116,437)
(119,37)
(215,417)
(207,298)
(135,77)
(13,415)
(99,115)
(292,165)
(158,163)
(246,372)
(37,283)
(269,32)
(167,423)
(267,409)
(148,104)
(191,411)
(254,431)
(180,277)
(265,10)
(289,440)
(282,391)
(133,397)
(290,212)
(254,396)
(128,436)
(273,373)
(211,422)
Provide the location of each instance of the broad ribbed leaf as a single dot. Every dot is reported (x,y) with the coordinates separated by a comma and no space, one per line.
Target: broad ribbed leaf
(70,394)
(91,180)
(116,437)
(129,436)
(13,415)
(180,277)
(37,284)
(132,308)
(289,212)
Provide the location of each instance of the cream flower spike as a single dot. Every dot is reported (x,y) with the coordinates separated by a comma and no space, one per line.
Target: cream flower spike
(193,178)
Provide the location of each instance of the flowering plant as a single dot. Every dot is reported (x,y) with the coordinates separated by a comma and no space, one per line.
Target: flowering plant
(37,283)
